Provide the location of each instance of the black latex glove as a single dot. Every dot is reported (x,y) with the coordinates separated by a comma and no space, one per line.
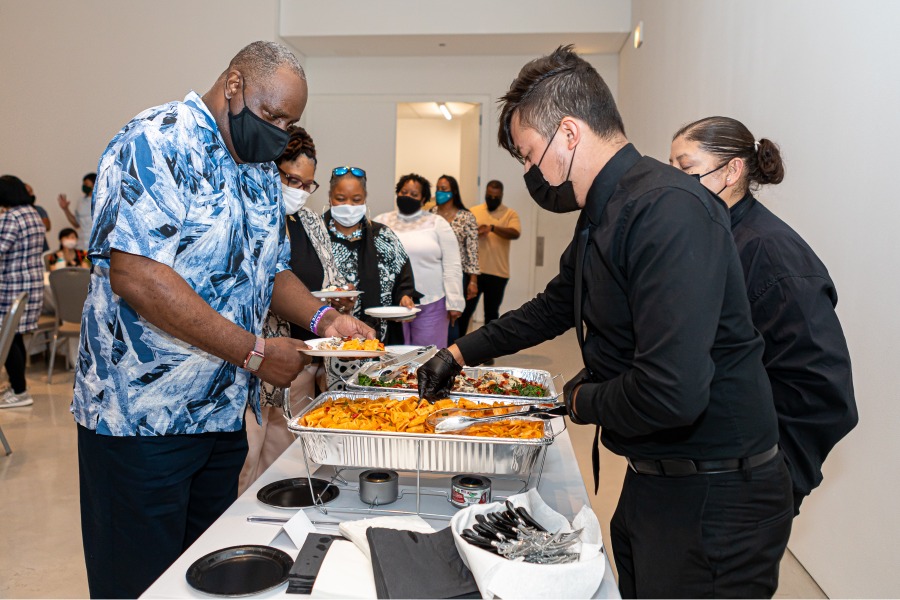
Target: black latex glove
(569,394)
(436,376)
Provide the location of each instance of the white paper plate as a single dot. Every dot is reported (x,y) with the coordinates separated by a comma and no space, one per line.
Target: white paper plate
(325,294)
(392,312)
(402,349)
(314,351)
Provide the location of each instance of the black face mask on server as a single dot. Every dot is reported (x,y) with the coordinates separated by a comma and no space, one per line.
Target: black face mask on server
(255,140)
(555,198)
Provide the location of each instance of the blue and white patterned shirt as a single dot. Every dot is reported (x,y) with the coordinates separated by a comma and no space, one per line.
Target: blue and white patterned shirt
(167,189)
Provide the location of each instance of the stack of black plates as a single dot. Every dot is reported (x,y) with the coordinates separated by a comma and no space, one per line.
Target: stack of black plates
(240,570)
(294,493)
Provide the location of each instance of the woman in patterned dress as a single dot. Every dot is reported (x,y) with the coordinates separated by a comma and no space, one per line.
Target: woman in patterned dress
(449,205)
(370,256)
(21,270)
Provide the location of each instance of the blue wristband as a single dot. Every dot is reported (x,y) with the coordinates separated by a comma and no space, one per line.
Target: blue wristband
(314,322)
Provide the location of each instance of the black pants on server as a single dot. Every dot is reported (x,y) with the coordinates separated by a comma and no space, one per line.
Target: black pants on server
(493,288)
(703,536)
(145,499)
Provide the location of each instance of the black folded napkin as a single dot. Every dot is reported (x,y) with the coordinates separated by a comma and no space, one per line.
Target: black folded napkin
(408,564)
(306,568)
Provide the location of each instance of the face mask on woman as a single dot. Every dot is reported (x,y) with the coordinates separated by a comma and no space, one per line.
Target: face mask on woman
(443,197)
(69,244)
(294,199)
(348,215)
(408,207)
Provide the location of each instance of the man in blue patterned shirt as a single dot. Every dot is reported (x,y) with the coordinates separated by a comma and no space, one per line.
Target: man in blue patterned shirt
(189,253)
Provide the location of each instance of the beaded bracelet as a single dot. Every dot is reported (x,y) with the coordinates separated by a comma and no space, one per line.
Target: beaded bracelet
(314,322)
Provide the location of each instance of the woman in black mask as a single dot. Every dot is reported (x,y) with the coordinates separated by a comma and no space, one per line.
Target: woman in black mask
(792,297)
(434,252)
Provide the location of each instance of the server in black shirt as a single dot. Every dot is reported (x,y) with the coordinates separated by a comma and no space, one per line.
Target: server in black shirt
(673,366)
(792,297)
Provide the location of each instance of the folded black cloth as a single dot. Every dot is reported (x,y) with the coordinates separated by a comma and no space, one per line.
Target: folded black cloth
(408,564)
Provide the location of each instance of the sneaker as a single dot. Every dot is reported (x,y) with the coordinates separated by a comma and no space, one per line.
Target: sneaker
(10,400)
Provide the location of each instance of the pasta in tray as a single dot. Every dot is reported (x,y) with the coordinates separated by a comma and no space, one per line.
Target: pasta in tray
(409,416)
(494,382)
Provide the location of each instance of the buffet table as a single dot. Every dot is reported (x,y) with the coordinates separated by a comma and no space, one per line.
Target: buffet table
(561,487)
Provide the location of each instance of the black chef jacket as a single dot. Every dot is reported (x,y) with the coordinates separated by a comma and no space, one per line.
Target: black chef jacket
(675,365)
(792,302)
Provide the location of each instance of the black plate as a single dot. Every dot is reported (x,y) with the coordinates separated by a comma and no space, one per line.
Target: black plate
(294,493)
(240,570)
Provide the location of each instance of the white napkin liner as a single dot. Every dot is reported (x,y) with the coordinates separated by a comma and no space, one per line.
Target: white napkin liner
(498,577)
(355,531)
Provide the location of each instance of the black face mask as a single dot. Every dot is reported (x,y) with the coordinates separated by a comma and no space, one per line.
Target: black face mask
(698,177)
(493,203)
(555,198)
(86,190)
(255,140)
(408,205)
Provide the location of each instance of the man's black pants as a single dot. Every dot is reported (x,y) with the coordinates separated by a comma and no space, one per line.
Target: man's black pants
(703,536)
(145,499)
(492,287)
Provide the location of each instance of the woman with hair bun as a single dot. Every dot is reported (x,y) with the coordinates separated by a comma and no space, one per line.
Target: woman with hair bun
(792,297)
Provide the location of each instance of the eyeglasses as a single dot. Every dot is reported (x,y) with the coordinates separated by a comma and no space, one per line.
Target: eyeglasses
(341,171)
(296,182)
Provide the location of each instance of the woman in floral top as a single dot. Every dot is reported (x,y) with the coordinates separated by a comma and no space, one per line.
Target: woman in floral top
(449,205)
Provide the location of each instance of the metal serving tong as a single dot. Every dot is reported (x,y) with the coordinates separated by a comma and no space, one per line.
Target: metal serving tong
(387,369)
(449,420)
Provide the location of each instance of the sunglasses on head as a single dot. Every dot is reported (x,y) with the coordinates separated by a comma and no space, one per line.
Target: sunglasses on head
(341,171)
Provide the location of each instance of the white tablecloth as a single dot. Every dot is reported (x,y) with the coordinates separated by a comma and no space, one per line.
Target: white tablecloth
(561,487)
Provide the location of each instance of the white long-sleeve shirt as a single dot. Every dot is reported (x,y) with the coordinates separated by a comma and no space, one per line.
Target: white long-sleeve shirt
(434,254)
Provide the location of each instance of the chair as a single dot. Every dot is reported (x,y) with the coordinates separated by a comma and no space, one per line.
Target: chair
(7,332)
(69,287)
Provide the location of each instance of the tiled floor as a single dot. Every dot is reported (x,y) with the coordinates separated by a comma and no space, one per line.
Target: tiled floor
(40,534)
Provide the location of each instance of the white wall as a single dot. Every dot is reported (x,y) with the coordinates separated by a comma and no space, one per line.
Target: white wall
(822,78)
(429,147)
(352,112)
(75,72)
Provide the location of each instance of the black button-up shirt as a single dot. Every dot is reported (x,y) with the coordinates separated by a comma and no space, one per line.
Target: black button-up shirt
(674,365)
(792,300)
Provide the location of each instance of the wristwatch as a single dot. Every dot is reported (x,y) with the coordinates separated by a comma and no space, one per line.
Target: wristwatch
(256,356)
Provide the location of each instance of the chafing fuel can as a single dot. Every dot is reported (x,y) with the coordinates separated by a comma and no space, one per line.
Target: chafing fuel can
(466,490)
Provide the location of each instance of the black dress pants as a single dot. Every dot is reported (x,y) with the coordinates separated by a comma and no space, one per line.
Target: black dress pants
(703,536)
(15,364)
(145,499)
(493,288)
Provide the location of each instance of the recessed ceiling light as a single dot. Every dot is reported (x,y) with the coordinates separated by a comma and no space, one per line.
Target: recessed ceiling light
(445,111)
(639,35)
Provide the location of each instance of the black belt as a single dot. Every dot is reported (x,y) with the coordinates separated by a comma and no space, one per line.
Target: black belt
(680,467)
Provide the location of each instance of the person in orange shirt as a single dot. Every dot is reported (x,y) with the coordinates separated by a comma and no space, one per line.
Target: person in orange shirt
(498,225)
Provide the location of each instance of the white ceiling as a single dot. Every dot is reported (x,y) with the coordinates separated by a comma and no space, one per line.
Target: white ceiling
(456,44)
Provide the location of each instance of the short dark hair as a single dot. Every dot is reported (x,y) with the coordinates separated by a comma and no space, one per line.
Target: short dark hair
(67,232)
(92,177)
(424,183)
(300,143)
(454,190)
(728,138)
(494,183)
(259,60)
(547,89)
(13,192)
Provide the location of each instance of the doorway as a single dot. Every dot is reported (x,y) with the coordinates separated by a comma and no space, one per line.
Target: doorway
(441,138)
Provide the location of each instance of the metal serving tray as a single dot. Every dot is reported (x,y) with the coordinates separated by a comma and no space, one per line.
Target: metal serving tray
(540,377)
(418,451)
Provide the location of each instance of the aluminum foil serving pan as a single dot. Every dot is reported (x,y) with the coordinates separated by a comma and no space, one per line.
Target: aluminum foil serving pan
(542,378)
(433,452)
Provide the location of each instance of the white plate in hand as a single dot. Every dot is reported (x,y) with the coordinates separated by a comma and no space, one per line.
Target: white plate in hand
(326,294)
(400,313)
(314,350)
